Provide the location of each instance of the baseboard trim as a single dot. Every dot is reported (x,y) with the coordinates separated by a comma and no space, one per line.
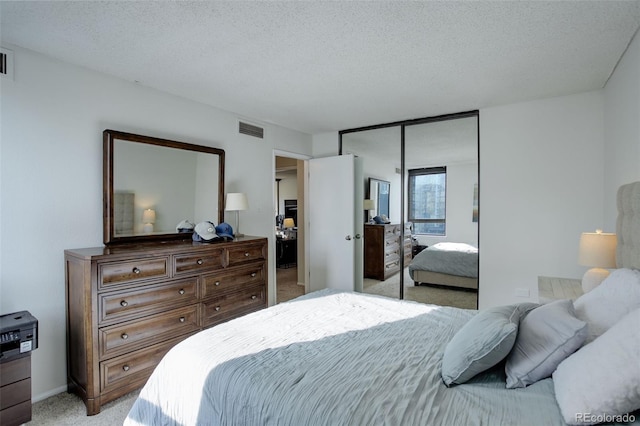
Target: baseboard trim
(49,393)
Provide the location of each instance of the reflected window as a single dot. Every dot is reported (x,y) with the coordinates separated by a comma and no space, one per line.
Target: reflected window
(427,200)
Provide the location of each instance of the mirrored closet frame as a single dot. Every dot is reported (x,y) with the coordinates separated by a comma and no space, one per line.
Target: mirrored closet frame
(403,124)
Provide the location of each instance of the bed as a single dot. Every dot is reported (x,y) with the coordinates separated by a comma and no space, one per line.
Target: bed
(343,358)
(448,264)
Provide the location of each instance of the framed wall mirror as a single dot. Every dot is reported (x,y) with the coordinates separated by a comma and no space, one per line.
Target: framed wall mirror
(379,191)
(150,185)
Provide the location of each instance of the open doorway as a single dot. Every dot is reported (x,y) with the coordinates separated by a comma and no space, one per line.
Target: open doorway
(289,196)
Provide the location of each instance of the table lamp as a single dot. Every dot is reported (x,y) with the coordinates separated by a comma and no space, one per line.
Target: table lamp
(237,201)
(598,250)
(368,205)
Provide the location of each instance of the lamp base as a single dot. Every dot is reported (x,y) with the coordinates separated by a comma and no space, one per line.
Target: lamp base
(238,234)
(592,278)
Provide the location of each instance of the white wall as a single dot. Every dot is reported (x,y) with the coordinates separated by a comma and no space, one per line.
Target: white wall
(541,185)
(622,129)
(52,118)
(325,144)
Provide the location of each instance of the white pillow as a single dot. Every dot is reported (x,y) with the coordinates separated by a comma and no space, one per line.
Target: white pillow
(603,377)
(546,336)
(606,304)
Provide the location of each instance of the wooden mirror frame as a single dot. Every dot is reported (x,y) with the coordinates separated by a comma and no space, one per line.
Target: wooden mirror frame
(109,137)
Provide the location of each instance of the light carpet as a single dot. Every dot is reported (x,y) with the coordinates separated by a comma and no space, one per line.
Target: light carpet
(465,299)
(66,409)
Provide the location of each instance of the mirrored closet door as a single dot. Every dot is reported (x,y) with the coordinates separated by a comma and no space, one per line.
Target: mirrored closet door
(426,248)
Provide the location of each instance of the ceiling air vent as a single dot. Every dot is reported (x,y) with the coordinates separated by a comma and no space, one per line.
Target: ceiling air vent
(6,63)
(250,130)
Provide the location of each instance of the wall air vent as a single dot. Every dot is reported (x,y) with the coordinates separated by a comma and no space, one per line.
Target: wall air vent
(6,63)
(250,130)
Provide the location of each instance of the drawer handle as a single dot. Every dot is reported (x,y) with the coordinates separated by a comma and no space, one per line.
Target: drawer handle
(217,283)
(199,261)
(124,303)
(254,297)
(246,254)
(182,319)
(217,308)
(125,367)
(136,270)
(124,336)
(253,275)
(181,291)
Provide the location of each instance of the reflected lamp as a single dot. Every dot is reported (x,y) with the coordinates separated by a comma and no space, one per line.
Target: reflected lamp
(148,219)
(368,205)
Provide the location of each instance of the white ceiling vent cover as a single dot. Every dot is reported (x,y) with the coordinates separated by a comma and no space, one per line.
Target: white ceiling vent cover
(6,63)
(250,130)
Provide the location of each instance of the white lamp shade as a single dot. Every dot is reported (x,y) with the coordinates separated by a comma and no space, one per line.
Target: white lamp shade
(289,223)
(148,216)
(236,201)
(368,204)
(598,249)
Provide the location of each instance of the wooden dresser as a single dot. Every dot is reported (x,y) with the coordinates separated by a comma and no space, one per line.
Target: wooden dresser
(382,249)
(128,304)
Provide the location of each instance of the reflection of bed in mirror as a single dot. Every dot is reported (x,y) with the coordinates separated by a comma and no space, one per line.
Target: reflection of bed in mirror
(447,264)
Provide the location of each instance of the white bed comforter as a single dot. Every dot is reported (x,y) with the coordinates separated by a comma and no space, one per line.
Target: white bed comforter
(330,358)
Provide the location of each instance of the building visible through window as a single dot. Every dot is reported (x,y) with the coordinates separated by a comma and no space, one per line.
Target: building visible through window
(427,200)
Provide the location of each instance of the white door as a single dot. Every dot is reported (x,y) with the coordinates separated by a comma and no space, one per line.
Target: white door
(332,228)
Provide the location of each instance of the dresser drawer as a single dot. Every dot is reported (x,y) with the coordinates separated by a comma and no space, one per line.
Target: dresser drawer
(216,284)
(225,307)
(197,263)
(110,274)
(392,266)
(132,335)
(391,247)
(15,370)
(15,393)
(246,253)
(143,301)
(391,231)
(133,369)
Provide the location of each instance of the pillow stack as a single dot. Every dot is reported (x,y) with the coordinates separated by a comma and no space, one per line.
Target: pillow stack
(590,348)
(601,381)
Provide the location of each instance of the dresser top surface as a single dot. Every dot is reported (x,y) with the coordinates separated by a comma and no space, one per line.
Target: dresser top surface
(156,247)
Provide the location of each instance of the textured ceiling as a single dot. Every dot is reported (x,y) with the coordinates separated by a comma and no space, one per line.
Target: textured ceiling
(321,66)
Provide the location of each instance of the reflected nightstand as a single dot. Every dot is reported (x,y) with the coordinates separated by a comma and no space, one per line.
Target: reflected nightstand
(553,288)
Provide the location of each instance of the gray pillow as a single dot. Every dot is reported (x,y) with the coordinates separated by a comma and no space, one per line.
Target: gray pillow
(547,336)
(482,342)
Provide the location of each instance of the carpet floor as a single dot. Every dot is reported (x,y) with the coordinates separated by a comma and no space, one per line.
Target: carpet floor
(66,409)
(465,299)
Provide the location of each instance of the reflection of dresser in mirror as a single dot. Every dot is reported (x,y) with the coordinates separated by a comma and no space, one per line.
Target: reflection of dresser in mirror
(382,249)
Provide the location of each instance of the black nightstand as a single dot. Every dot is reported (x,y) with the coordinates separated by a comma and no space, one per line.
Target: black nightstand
(417,249)
(286,252)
